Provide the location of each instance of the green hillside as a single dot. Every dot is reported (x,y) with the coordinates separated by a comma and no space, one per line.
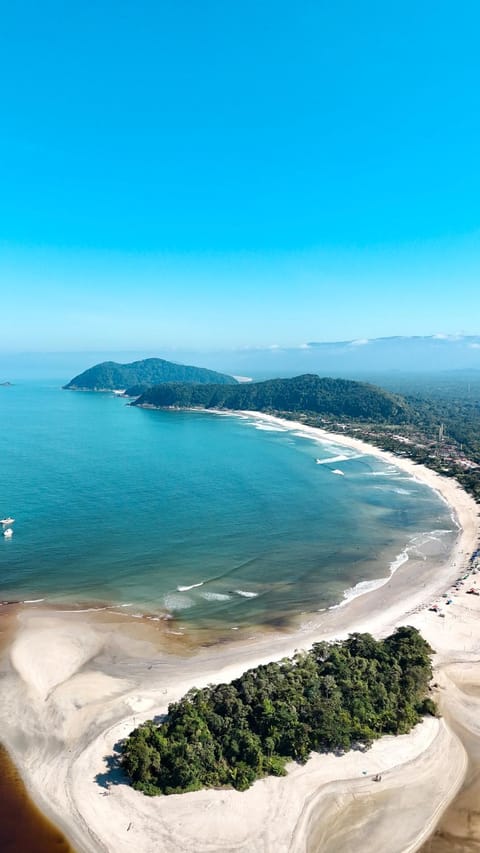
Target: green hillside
(140,375)
(306,394)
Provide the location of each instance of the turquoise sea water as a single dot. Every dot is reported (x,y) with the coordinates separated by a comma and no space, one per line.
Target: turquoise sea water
(216,519)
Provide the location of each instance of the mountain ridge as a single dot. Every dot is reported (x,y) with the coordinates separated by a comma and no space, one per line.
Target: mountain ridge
(307,393)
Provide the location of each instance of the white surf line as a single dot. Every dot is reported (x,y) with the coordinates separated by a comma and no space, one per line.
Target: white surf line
(342,457)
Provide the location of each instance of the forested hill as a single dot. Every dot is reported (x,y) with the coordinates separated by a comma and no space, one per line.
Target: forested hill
(309,393)
(140,375)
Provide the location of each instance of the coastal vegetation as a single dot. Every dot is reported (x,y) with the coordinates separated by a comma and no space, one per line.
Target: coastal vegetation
(335,697)
(307,394)
(442,431)
(140,375)
(448,457)
(434,420)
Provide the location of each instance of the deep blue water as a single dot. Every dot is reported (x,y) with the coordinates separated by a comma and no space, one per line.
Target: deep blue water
(123,505)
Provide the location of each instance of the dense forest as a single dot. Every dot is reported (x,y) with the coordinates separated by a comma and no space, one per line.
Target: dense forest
(332,698)
(140,375)
(407,415)
(451,398)
(460,419)
(407,418)
(443,428)
(307,394)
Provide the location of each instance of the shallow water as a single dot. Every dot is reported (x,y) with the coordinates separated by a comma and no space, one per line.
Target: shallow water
(221,521)
(23,828)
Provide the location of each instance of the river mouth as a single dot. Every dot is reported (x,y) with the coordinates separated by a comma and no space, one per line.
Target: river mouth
(23,827)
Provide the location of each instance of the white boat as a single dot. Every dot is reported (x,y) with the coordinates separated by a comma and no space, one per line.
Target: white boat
(8,533)
(7,520)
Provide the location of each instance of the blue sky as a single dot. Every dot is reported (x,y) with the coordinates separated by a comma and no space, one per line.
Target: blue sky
(186,174)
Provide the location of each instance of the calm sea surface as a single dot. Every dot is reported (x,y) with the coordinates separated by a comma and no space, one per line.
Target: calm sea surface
(218,520)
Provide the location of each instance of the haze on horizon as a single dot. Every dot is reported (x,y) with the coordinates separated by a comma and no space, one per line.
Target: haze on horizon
(190,178)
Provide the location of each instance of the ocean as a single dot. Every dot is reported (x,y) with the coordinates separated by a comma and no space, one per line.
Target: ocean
(219,521)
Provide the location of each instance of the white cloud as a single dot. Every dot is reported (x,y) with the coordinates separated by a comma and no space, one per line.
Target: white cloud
(441,337)
(474,346)
(360,342)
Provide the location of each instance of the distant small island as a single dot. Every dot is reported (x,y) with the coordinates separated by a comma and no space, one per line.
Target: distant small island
(6,384)
(305,394)
(136,377)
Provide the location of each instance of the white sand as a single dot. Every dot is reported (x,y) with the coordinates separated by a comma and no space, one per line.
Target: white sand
(67,699)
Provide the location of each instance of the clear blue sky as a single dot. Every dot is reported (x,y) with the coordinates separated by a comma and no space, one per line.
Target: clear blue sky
(202,174)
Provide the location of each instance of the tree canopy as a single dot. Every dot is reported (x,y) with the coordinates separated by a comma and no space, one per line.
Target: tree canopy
(140,375)
(308,393)
(333,697)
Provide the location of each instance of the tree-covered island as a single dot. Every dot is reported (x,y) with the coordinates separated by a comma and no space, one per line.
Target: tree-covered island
(335,697)
(137,376)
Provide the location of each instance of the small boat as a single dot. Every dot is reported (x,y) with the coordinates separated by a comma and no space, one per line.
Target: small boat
(7,520)
(8,533)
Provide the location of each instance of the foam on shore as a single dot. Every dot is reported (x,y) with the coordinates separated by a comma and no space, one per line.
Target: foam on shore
(64,744)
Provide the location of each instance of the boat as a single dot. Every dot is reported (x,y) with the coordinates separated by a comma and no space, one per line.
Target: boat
(8,533)
(7,520)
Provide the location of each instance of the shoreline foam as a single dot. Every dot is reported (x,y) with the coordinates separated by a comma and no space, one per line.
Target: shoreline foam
(336,596)
(95,689)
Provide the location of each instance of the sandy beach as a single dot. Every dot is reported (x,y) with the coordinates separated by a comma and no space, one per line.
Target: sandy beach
(74,685)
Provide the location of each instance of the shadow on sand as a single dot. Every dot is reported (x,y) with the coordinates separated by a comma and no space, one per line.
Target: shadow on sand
(114,774)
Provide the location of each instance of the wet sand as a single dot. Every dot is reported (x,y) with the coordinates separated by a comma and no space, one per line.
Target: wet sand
(75,684)
(459,828)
